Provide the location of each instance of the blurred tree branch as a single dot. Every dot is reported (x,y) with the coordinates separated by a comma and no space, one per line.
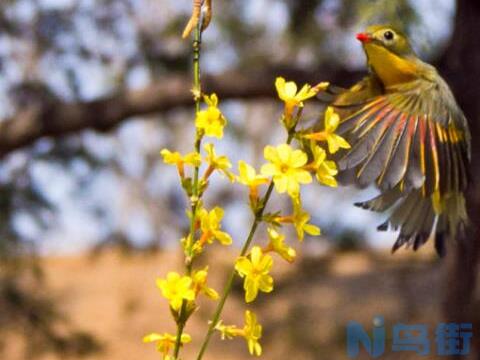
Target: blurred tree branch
(54,118)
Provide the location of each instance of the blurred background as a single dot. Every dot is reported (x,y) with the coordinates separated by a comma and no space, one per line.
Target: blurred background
(91,91)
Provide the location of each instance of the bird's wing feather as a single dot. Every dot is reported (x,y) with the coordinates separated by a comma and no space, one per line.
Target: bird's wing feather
(411,136)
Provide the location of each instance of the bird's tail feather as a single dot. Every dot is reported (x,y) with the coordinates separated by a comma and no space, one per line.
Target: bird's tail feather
(418,217)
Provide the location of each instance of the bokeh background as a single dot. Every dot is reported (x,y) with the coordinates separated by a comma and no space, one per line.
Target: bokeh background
(90,91)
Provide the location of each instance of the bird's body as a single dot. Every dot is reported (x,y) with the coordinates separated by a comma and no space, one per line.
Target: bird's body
(408,137)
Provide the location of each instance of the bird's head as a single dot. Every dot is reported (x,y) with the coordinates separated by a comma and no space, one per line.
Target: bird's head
(387,37)
(389,54)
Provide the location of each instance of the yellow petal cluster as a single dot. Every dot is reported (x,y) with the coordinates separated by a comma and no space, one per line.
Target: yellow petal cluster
(175,289)
(211,121)
(335,142)
(300,222)
(277,244)
(287,92)
(249,177)
(255,269)
(228,331)
(325,170)
(220,163)
(166,342)
(286,168)
(199,278)
(210,224)
(175,158)
(251,331)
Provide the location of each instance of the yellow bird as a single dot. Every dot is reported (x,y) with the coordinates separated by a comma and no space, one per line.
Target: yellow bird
(408,137)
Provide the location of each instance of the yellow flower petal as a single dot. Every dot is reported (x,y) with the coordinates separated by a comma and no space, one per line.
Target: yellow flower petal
(312,229)
(243,266)
(282,185)
(284,153)
(277,244)
(265,284)
(271,154)
(152,337)
(303,177)
(248,176)
(298,158)
(331,120)
(268,170)
(290,90)
(251,289)
(306,92)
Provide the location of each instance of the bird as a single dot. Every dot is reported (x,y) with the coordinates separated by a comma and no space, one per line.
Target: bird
(409,138)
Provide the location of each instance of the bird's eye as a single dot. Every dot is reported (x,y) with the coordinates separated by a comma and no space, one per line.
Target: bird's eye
(388,35)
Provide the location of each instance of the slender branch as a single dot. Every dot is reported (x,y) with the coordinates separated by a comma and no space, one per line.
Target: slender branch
(195,191)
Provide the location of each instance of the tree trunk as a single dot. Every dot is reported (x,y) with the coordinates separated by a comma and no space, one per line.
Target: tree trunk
(461,67)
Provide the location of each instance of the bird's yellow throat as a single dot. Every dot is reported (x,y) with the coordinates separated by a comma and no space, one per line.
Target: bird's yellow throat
(390,68)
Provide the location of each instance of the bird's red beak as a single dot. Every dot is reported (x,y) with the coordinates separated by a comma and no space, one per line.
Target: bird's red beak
(364,37)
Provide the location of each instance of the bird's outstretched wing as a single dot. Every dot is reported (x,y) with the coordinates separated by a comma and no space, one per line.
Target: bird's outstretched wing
(413,142)
(413,136)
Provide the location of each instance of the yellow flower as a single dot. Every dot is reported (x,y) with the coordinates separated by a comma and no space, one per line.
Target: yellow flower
(286,168)
(248,176)
(220,163)
(165,342)
(277,244)
(172,158)
(253,333)
(325,170)
(255,270)
(199,278)
(335,142)
(300,222)
(228,331)
(175,289)
(287,92)
(211,120)
(210,224)
(175,158)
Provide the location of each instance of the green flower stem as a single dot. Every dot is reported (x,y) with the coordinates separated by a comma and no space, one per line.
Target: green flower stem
(228,286)
(198,137)
(182,319)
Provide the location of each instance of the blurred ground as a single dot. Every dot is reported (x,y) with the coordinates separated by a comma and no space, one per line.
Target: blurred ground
(113,297)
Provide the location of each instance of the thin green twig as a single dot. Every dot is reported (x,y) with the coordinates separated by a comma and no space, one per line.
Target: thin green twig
(182,319)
